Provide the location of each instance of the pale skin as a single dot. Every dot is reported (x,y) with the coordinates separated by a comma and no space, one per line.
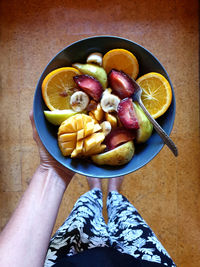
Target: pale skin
(26,236)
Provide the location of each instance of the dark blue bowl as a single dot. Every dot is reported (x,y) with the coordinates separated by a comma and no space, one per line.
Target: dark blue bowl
(78,52)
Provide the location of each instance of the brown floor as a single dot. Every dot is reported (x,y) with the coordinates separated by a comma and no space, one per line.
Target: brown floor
(167,190)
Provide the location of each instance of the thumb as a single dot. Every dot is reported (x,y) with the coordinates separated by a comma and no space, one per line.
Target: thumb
(35,134)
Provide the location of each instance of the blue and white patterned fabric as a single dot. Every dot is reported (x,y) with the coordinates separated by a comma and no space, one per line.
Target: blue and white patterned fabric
(126,230)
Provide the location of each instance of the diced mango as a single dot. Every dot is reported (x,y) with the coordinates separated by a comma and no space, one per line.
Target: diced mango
(66,151)
(99,137)
(67,137)
(89,143)
(112,119)
(80,134)
(79,146)
(98,113)
(97,128)
(93,140)
(69,144)
(66,128)
(89,127)
(86,119)
(74,124)
(96,150)
(77,152)
(79,122)
(93,117)
(74,153)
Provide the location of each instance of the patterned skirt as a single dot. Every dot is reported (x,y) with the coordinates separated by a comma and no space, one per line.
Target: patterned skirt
(126,231)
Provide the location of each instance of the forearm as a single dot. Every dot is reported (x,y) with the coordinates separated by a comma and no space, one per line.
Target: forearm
(25,239)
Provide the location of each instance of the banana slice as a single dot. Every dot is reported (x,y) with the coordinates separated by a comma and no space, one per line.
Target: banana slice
(95,58)
(79,101)
(106,127)
(109,102)
(107,91)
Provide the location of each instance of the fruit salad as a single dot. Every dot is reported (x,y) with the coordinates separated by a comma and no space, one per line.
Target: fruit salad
(91,103)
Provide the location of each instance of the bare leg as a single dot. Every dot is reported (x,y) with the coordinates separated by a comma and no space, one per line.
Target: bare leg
(128,232)
(114,184)
(94,183)
(84,228)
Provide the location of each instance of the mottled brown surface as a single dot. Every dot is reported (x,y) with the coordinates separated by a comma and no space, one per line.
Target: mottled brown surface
(166,191)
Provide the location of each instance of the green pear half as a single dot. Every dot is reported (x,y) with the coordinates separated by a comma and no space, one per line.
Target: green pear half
(93,70)
(56,117)
(117,156)
(146,127)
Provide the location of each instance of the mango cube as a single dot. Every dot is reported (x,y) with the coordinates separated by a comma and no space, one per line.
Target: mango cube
(80,136)
(112,119)
(79,122)
(67,137)
(89,127)
(98,113)
(96,150)
(92,116)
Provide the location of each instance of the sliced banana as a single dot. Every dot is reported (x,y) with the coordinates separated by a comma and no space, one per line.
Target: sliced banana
(109,102)
(79,101)
(95,58)
(107,91)
(106,127)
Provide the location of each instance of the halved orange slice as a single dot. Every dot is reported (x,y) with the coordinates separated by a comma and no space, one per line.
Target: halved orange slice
(157,93)
(58,86)
(121,59)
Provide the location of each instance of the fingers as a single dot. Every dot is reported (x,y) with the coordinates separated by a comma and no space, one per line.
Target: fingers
(32,119)
(45,158)
(35,134)
(31,115)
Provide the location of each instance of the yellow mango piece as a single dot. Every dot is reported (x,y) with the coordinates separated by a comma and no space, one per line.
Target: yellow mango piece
(92,116)
(98,113)
(89,127)
(86,119)
(74,124)
(96,150)
(66,151)
(93,140)
(80,134)
(66,128)
(78,150)
(67,137)
(112,119)
(79,122)
(74,153)
(99,137)
(89,143)
(97,128)
(69,144)
(79,146)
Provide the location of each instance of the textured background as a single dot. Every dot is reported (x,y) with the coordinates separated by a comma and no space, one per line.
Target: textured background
(166,191)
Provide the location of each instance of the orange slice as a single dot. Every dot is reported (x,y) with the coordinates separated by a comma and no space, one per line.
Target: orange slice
(157,93)
(121,59)
(58,86)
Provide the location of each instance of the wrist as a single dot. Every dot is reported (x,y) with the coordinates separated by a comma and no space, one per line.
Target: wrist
(57,176)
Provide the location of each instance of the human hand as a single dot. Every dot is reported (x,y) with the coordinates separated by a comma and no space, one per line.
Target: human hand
(46,160)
